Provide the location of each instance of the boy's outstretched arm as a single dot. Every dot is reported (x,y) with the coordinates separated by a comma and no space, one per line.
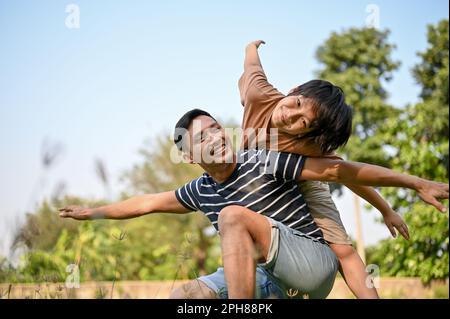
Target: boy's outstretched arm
(251,54)
(345,172)
(391,218)
(133,207)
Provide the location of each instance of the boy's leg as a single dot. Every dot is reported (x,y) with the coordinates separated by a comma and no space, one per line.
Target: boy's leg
(245,237)
(302,264)
(318,198)
(293,258)
(354,272)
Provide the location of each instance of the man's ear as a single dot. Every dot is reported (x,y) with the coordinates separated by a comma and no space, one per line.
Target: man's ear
(187,158)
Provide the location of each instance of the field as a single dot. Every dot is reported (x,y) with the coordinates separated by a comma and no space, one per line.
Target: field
(392,288)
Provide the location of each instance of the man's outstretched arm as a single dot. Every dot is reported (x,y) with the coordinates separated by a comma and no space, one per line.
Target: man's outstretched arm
(133,207)
(346,172)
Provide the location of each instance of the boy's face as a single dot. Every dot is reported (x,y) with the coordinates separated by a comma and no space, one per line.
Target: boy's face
(294,115)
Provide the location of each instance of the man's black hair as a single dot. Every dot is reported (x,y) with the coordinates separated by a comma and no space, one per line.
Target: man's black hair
(333,125)
(183,124)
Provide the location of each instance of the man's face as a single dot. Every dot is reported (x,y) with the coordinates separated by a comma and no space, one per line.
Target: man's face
(208,141)
(294,115)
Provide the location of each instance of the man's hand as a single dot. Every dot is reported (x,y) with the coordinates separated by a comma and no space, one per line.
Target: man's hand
(430,192)
(394,221)
(133,207)
(257,43)
(75,212)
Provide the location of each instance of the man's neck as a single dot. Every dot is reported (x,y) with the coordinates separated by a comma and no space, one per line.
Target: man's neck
(220,172)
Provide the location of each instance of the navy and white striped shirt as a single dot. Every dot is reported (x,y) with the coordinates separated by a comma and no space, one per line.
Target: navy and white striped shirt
(263,181)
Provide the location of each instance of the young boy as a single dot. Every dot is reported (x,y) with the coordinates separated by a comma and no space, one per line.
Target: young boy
(313,120)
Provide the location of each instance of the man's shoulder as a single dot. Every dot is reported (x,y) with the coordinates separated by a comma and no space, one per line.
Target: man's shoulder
(251,152)
(254,155)
(200,181)
(258,152)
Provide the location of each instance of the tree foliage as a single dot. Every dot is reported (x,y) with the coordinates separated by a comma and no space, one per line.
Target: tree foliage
(420,140)
(157,246)
(359,61)
(413,140)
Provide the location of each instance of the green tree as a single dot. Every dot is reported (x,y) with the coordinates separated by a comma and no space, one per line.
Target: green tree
(158,246)
(158,173)
(419,139)
(43,227)
(359,61)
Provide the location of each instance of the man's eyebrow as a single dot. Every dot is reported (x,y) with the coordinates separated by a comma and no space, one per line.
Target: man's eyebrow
(214,125)
(211,126)
(199,134)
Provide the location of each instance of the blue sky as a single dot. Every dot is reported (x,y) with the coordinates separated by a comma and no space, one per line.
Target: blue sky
(132,68)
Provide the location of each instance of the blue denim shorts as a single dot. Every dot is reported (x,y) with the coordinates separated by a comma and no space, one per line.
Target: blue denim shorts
(296,265)
(266,285)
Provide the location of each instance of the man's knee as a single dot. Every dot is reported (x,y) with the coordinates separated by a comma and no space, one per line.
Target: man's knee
(230,216)
(194,289)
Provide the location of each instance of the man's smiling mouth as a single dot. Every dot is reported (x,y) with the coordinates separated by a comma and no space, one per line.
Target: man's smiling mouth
(217,150)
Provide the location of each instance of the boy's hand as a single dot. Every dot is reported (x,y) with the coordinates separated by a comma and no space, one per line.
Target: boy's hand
(257,43)
(75,212)
(430,192)
(394,221)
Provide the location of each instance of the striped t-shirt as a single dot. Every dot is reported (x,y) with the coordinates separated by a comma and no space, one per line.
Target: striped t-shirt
(263,181)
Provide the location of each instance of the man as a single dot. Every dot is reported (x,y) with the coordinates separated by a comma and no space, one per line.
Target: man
(254,202)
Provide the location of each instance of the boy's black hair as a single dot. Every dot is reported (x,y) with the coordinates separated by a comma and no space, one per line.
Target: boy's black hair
(333,125)
(183,124)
